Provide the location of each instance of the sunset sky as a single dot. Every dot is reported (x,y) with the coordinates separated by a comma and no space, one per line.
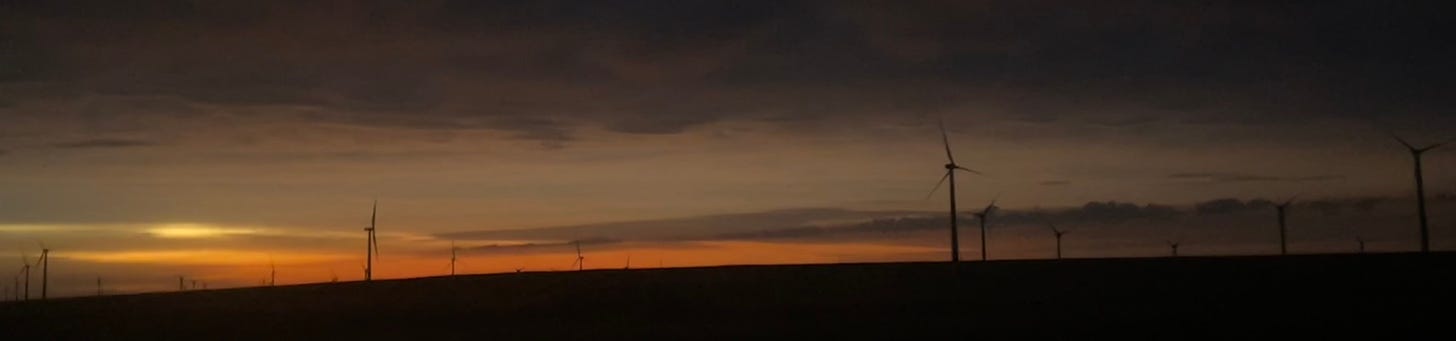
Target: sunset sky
(209,139)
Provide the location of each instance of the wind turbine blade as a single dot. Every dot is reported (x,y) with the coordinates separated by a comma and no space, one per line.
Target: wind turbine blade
(375,240)
(945,139)
(937,185)
(373,213)
(972,171)
(1438,145)
(1291,199)
(1401,140)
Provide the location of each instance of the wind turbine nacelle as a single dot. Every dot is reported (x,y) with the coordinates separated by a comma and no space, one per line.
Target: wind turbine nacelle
(950,166)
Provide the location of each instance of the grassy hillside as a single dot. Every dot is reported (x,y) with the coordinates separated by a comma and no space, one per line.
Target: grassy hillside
(1137,298)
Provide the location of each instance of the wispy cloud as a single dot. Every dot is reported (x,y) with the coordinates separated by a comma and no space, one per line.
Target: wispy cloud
(1245,177)
(104,143)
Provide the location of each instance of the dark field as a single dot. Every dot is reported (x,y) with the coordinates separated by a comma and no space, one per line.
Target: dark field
(1384,296)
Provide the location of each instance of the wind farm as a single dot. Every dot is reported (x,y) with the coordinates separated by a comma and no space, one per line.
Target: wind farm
(733,169)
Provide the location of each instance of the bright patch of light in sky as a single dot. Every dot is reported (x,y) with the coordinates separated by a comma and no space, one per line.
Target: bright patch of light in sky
(196,231)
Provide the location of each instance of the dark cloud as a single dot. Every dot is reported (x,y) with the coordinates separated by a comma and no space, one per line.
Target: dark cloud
(823,224)
(548,246)
(636,68)
(681,228)
(1244,177)
(104,143)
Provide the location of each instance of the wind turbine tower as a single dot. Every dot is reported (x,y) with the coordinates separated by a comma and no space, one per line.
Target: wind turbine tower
(984,214)
(372,245)
(453,250)
(25,259)
(1420,188)
(1058,233)
(1283,209)
(950,168)
(580,261)
(45,270)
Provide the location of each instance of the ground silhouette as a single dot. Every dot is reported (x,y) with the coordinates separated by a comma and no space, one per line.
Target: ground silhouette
(1187,297)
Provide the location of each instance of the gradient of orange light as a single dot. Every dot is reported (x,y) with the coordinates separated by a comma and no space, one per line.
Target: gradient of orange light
(304,270)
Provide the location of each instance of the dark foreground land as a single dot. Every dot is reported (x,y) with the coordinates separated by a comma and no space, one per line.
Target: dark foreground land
(1384,296)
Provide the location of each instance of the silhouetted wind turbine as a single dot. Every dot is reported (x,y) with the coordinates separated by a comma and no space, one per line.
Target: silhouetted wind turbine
(181,285)
(1058,233)
(333,276)
(629,263)
(1420,187)
(580,261)
(1283,209)
(984,214)
(98,285)
(1174,246)
(45,270)
(950,168)
(25,259)
(372,244)
(272,273)
(1361,243)
(452,257)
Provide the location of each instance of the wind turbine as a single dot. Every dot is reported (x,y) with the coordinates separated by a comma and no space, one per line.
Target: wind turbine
(950,168)
(629,263)
(1360,241)
(1058,233)
(452,257)
(25,259)
(1420,187)
(984,214)
(272,273)
(1283,209)
(1174,246)
(372,245)
(45,269)
(180,284)
(580,261)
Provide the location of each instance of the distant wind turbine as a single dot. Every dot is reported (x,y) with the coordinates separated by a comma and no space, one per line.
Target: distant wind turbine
(580,261)
(950,168)
(372,245)
(25,268)
(1174,245)
(982,216)
(181,286)
(1420,187)
(629,263)
(272,273)
(1058,233)
(1360,241)
(1283,210)
(452,257)
(45,270)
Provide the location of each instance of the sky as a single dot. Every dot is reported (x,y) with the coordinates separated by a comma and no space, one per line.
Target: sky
(210,139)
